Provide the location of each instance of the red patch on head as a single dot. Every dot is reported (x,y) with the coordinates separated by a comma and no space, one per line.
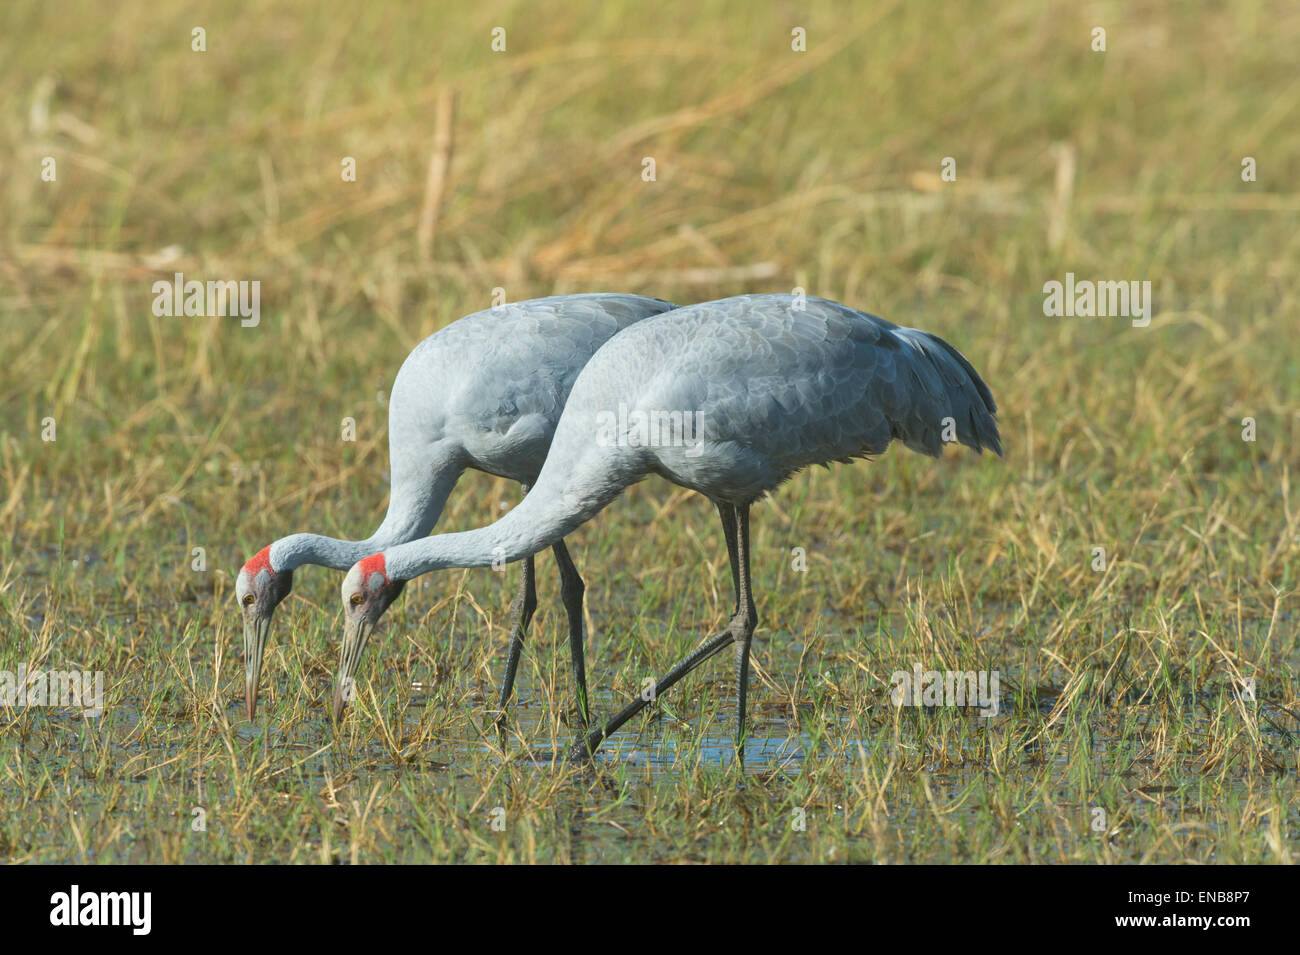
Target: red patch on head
(261,561)
(374,564)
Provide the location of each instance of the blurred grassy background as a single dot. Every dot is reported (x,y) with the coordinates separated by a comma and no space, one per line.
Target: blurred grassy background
(775,169)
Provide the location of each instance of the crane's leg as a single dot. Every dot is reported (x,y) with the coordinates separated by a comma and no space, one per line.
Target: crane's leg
(521,612)
(743,626)
(740,630)
(585,747)
(571,591)
(728,515)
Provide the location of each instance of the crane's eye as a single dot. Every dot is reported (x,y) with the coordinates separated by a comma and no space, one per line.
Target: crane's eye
(248,600)
(357,599)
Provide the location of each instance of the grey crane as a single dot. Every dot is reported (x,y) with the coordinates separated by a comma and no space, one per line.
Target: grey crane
(769,384)
(484,393)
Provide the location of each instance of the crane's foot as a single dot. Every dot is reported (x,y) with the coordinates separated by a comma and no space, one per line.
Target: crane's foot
(583,749)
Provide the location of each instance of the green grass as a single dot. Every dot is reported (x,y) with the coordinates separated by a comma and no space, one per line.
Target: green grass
(1121,689)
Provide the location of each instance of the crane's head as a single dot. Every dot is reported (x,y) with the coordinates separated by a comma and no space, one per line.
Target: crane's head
(259,588)
(367,593)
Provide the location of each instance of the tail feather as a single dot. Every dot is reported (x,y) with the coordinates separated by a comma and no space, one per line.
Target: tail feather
(961,394)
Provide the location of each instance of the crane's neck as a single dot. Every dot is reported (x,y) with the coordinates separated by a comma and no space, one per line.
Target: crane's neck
(289,553)
(414,506)
(547,514)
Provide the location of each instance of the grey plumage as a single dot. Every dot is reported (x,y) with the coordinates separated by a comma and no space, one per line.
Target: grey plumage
(771,384)
(489,389)
(484,393)
(777,388)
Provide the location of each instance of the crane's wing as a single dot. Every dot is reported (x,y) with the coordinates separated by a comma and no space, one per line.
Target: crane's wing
(484,372)
(780,384)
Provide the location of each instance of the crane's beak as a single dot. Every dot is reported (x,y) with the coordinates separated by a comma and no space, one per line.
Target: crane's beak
(356,633)
(256,628)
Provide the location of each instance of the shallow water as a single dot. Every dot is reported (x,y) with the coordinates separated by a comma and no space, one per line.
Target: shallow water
(688,733)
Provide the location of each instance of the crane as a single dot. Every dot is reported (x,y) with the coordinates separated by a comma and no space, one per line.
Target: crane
(770,384)
(484,393)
